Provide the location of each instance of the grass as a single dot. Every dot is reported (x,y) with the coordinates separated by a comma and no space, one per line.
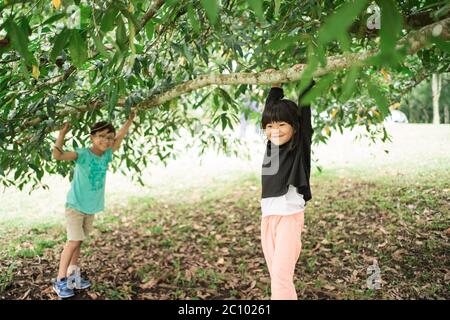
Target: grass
(342,236)
(7,277)
(202,241)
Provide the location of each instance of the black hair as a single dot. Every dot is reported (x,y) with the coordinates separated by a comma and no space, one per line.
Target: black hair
(283,110)
(102,125)
(288,111)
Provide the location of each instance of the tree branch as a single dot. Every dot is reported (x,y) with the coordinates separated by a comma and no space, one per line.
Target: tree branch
(150,14)
(413,42)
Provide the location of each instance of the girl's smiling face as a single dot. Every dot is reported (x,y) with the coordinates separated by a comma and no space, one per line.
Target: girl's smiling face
(279,132)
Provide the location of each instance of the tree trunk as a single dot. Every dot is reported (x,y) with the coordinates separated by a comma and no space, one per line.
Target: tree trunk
(446,107)
(436,89)
(446,115)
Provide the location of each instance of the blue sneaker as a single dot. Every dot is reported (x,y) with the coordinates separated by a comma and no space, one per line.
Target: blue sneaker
(84,284)
(61,289)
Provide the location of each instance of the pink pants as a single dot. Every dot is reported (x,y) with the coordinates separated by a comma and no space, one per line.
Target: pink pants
(281,244)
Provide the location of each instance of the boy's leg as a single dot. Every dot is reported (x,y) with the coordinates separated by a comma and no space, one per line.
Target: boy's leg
(76,255)
(74,260)
(66,256)
(287,251)
(74,269)
(87,227)
(75,235)
(60,286)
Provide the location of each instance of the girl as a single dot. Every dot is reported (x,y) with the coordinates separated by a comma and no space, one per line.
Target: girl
(285,187)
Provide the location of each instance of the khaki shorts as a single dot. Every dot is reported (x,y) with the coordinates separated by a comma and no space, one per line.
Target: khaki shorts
(78,224)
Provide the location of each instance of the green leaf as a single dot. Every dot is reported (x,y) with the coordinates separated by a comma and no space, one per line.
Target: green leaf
(60,43)
(85,16)
(39,172)
(121,34)
(51,107)
(198,104)
(225,95)
(212,9)
(380,99)
(319,88)
(75,144)
(131,18)
(277,7)
(150,30)
(240,90)
(19,39)
(349,85)
(187,54)
(99,44)
(338,23)
(113,98)
(307,75)
(283,43)
(256,6)
(17,173)
(391,26)
(107,23)
(54,18)
(344,40)
(442,11)
(77,48)
(193,20)
(224,119)
(441,44)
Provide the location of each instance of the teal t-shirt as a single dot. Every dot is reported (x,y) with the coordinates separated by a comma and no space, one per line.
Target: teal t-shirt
(87,192)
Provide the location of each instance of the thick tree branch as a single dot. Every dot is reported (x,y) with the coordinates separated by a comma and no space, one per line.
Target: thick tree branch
(413,42)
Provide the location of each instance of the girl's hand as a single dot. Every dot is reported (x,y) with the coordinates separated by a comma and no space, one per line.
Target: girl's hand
(274,85)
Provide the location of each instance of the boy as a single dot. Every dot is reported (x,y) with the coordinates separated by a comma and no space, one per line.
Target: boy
(86,196)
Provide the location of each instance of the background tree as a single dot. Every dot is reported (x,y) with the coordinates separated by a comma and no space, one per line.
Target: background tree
(436,85)
(418,103)
(188,67)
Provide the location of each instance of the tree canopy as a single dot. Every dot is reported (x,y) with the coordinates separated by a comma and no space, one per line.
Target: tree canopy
(192,67)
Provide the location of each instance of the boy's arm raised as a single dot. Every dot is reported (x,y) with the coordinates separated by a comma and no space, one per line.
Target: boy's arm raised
(58,153)
(123,131)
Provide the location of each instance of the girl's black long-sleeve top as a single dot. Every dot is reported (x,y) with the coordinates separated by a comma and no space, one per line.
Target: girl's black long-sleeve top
(294,166)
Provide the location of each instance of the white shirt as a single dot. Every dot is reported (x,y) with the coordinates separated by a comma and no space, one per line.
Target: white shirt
(290,203)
